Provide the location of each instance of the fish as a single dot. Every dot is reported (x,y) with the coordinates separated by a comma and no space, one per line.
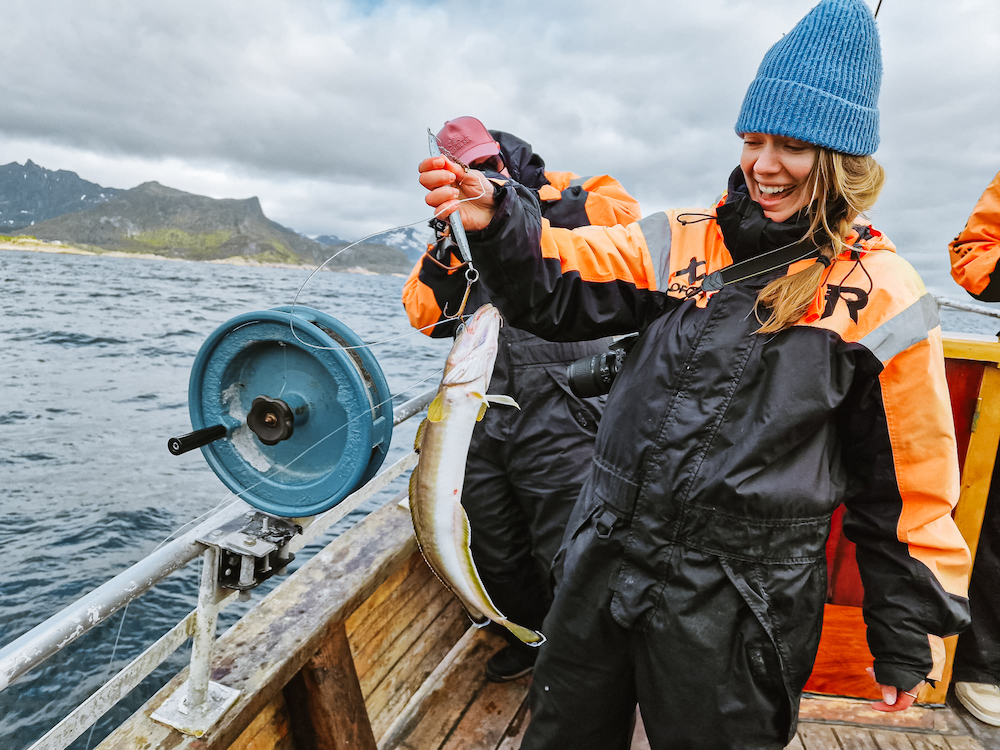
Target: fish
(440,523)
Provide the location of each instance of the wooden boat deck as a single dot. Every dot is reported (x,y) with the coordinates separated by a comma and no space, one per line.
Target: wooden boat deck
(363,648)
(494,717)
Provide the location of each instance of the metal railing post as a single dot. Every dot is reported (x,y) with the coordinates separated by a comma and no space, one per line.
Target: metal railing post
(204,635)
(197,704)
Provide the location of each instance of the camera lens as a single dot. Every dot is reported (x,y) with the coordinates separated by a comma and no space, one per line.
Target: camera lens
(592,376)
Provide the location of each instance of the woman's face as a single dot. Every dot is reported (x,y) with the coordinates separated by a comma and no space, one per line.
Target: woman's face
(776,168)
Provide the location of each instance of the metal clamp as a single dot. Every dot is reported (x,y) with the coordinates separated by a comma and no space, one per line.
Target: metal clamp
(252,548)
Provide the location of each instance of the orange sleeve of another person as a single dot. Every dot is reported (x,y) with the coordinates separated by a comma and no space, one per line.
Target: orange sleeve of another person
(975,251)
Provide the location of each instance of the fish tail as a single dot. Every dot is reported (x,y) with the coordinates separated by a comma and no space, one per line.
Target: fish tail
(526,635)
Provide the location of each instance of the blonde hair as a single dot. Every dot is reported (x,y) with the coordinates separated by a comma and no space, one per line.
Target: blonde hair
(843,187)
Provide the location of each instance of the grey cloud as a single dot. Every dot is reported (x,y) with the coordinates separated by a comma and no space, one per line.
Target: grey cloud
(321,108)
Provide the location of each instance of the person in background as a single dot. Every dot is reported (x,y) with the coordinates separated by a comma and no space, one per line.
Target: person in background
(974,254)
(789,361)
(525,467)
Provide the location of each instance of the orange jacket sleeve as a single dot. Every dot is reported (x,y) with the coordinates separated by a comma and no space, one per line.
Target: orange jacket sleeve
(570,201)
(975,251)
(434,290)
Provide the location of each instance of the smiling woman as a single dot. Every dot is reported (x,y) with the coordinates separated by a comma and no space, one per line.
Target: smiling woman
(788,362)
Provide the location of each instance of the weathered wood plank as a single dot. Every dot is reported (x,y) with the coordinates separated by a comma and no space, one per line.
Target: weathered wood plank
(818,737)
(887,740)
(927,741)
(941,720)
(429,685)
(268,731)
(324,700)
(963,743)
(262,651)
(358,622)
(855,738)
(385,649)
(487,721)
(518,727)
(374,626)
(795,744)
(395,691)
(427,726)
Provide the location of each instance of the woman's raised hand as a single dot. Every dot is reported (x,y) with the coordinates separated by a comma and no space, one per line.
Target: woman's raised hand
(449,183)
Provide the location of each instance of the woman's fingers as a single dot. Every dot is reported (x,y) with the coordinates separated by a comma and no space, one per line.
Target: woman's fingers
(893,699)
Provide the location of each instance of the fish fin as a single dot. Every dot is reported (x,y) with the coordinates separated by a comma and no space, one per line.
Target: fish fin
(464,531)
(482,411)
(462,527)
(502,400)
(435,412)
(412,490)
(419,436)
(463,539)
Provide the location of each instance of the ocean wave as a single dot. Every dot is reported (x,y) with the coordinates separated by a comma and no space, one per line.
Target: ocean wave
(67,338)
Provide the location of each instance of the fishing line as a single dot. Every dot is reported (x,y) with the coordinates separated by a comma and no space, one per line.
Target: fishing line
(279,470)
(483,184)
(107,670)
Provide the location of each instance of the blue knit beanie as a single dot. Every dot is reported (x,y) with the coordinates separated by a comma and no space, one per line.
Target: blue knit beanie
(820,82)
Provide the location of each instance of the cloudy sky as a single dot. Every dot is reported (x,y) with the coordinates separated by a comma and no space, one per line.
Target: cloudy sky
(320,108)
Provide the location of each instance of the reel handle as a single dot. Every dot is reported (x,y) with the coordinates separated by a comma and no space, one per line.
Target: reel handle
(196,439)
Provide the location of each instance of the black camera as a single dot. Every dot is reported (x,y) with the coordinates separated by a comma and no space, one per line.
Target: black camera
(593,376)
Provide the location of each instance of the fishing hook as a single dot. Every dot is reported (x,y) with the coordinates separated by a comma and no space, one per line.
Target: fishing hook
(471,277)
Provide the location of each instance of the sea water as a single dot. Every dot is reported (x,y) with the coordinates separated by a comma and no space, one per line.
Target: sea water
(95,356)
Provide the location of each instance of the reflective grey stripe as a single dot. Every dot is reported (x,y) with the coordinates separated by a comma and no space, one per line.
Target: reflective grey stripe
(903,330)
(656,230)
(578,182)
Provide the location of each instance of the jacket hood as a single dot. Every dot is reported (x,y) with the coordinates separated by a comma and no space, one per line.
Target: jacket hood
(525,166)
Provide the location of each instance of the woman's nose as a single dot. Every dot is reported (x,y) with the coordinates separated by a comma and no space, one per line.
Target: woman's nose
(767,162)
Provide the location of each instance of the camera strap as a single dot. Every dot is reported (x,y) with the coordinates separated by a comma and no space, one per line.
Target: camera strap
(761,264)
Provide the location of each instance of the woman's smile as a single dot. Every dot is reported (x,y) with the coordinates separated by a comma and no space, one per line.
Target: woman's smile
(777,172)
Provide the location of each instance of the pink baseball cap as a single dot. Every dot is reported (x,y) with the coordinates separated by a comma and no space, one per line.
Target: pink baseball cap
(466,139)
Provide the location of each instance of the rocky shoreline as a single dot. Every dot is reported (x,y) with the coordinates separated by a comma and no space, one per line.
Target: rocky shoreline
(31,244)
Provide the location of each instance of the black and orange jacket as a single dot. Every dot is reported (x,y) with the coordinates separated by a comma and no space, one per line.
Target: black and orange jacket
(436,284)
(721,444)
(433,294)
(974,253)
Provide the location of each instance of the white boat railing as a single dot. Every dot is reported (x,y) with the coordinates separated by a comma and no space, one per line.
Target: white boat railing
(54,634)
(990,312)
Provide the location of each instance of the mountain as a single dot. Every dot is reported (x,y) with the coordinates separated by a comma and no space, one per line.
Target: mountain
(370,256)
(412,241)
(152,218)
(30,194)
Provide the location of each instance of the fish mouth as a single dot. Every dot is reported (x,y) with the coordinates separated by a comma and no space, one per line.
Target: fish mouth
(475,350)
